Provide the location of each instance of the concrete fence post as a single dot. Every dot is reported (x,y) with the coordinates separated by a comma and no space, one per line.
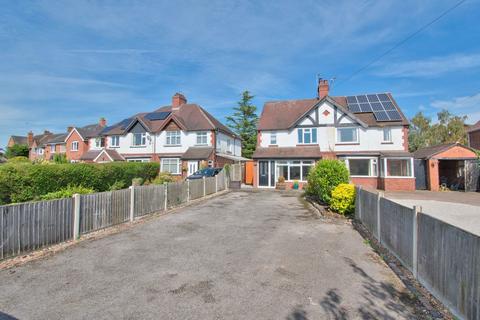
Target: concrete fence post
(188,190)
(132,202)
(76,216)
(416,210)
(359,204)
(204,190)
(379,214)
(166,195)
(216,183)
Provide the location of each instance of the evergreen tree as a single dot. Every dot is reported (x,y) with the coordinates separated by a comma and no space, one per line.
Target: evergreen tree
(17,150)
(244,123)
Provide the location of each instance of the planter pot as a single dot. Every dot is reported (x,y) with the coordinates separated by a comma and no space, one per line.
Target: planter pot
(281,186)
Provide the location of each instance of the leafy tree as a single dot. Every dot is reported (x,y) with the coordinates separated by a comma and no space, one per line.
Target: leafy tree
(448,129)
(244,123)
(17,150)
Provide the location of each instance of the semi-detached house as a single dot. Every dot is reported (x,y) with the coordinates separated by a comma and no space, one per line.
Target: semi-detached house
(183,137)
(369,132)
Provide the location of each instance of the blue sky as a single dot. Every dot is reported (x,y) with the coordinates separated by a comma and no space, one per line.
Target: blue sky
(71,62)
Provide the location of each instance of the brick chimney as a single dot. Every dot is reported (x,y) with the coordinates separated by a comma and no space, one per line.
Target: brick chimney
(102,122)
(30,138)
(323,88)
(178,100)
(46,132)
(69,129)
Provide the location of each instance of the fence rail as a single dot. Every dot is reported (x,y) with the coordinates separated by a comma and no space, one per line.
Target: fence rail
(444,258)
(29,226)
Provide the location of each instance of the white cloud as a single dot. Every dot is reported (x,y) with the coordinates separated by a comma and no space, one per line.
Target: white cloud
(468,105)
(431,67)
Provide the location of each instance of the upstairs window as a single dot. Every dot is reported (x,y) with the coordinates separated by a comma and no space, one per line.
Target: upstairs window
(99,143)
(201,138)
(114,141)
(273,138)
(307,136)
(387,134)
(74,145)
(229,146)
(347,135)
(173,138)
(139,139)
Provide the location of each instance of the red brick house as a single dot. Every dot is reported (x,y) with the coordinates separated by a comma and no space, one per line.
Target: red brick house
(368,132)
(473,133)
(80,140)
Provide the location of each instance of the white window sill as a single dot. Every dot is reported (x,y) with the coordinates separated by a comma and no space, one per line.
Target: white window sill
(347,143)
(363,176)
(201,145)
(114,147)
(172,145)
(142,146)
(398,177)
(387,142)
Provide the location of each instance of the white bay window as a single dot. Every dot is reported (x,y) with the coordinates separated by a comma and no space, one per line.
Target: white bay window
(362,166)
(294,169)
(171,165)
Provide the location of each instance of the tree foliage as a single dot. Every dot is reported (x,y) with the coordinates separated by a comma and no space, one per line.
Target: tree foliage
(449,128)
(17,150)
(244,123)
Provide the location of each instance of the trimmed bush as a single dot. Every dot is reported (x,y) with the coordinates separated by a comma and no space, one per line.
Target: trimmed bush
(67,192)
(19,159)
(25,182)
(162,178)
(324,177)
(343,199)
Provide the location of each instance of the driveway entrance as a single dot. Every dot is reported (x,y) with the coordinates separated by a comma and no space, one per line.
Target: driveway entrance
(244,255)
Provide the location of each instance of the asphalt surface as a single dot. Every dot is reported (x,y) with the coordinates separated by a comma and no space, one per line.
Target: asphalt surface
(243,255)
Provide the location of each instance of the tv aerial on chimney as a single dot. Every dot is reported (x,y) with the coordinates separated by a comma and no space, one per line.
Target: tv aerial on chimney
(330,81)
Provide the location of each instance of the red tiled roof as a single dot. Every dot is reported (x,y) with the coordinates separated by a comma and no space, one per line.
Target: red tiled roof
(282,115)
(474,127)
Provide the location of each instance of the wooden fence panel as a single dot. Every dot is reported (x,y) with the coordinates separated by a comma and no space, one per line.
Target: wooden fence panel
(210,185)
(196,189)
(177,193)
(33,225)
(149,199)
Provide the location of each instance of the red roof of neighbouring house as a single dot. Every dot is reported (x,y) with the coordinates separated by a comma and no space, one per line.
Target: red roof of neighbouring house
(474,127)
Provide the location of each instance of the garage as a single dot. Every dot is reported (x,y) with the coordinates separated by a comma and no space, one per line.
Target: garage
(450,166)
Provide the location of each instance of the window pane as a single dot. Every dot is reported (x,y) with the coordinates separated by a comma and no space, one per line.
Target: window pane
(306,136)
(282,171)
(314,135)
(294,173)
(300,136)
(387,134)
(359,167)
(347,135)
(273,138)
(305,170)
(398,167)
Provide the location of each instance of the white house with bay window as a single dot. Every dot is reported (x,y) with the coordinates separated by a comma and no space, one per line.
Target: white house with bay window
(368,132)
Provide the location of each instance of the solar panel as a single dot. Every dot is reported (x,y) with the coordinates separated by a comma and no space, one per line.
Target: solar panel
(388,105)
(124,123)
(362,99)
(383,97)
(377,106)
(381,116)
(394,115)
(351,99)
(157,116)
(354,107)
(365,107)
(372,97)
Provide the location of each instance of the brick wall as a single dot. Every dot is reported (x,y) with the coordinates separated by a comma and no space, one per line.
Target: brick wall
(82,147)
(368,182)
(397,184)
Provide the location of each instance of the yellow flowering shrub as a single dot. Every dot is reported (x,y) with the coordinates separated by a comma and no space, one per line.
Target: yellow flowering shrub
(343,199)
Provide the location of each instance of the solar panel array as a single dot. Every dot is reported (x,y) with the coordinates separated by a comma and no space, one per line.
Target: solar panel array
(380,104)
(157,116)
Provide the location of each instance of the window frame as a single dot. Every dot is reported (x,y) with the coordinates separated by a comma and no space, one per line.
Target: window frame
(52,148)
(143,139)
(177,164)
(302,133)
(112,139)
(338,135)
(295,164)
(138,160)
(273,138)
(74,145)
(373,171)
(170,136)
(385,167)
(203,135)
(389,130)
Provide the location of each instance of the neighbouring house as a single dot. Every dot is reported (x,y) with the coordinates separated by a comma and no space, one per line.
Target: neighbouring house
(55,145)
(13,140)
(36,144)
(450,165)
(369,132)
(183,137)
(473,134)
(80,140)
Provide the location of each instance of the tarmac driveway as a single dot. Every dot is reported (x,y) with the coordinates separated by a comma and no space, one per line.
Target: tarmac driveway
(243,255)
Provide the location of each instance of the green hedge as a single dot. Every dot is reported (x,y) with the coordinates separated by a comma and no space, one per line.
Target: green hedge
(25,182)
